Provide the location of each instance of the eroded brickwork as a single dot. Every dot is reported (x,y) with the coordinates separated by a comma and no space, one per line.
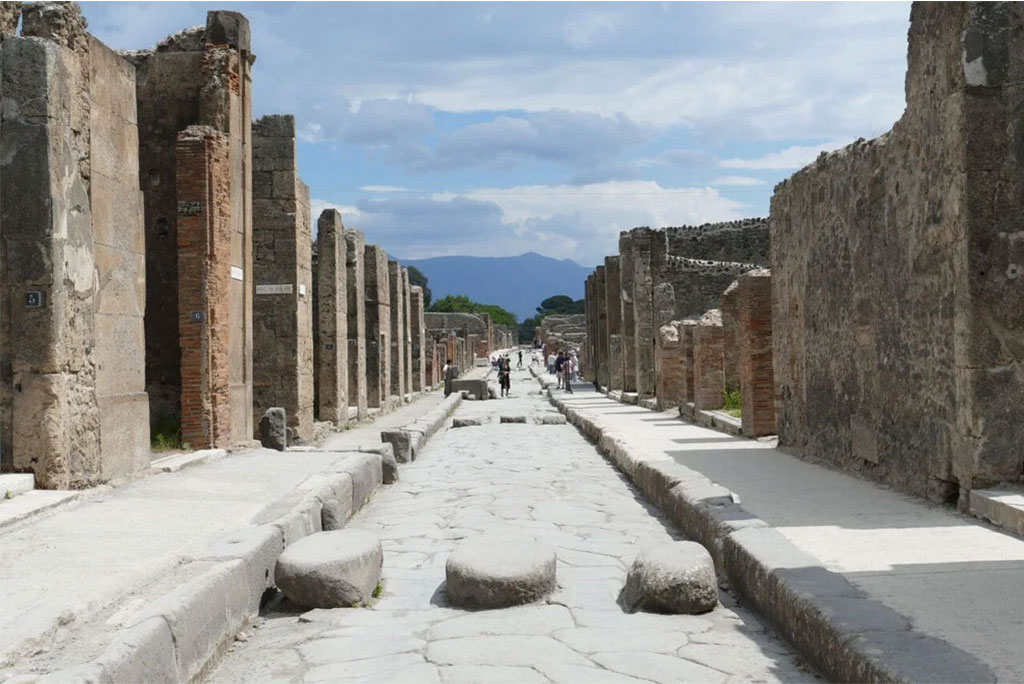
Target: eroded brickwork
(669,366)
(600,343)
(730,342)
(332,315)
(686,327)
(708,361)
(757,380)
(407,342)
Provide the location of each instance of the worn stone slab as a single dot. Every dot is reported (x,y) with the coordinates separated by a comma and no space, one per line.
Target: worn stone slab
(675,577)
(494,572)
(13,484)
(331,569)
(175,462)
(1003,507)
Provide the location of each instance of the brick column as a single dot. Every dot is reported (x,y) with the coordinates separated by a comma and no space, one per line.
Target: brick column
(419,339)
(282,310)
(355,291)
(669,366)
(628,321)
(396,294)
(708,368)
(378,327)
(613,310)
(204,276)
(332,316)
(686,352)
(730,342)
(757,380)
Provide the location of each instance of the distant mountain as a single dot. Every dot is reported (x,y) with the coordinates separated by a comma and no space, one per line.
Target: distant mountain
(517,284)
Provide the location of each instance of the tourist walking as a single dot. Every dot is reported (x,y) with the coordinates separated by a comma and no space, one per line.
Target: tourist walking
(505,375)
(450,373)
(551,362)
(568,369)
(559,365)
(520,358)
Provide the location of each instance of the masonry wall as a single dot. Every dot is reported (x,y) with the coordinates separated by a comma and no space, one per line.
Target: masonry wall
(746,240)
(378,327)
(407,341)
(897,268)
(73,408)
(600,342)
(627,319)
(418,332)
(708,361)
(669,365)
(613,307)
(332,366)
(396,295)
(645,325)
(282,255)
(355,290)
(198,76)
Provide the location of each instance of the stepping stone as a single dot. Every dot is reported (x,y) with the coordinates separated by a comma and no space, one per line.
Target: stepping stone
(274,429)
(555,419)
(466,422)
(675,577)
(330,569)
(389,465)
(496,572)
(513,419)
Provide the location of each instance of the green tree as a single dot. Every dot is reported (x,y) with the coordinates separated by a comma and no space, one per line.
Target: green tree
(560,304)
(416,277)
(463,304)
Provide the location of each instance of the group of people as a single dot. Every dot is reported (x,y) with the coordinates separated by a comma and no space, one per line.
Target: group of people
(565,366)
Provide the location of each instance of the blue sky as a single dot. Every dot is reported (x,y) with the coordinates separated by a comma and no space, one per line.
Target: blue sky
(499,128)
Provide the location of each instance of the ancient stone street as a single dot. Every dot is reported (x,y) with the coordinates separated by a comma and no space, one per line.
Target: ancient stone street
(545,481)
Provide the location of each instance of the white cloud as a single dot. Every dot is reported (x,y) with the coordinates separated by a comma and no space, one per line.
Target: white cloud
(317,206)
(590,28)
(738,181)
(385,188)
(794,157)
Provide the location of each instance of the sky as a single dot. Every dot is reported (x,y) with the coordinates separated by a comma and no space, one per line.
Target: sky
(492,129)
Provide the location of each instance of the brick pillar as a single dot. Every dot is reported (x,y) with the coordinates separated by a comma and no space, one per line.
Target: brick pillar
(419,339)
(332,319)
(628,323)
(686,352)
(407,341)
(613,310)
(730,341)
(643,309)
(355,291)
(708,367)
(378,327)
(757,380)
(204,276)
(669,366)
(396,294)
(282,306)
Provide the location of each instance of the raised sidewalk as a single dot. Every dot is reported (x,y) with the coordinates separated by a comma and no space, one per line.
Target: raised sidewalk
(89,567)
(868,583)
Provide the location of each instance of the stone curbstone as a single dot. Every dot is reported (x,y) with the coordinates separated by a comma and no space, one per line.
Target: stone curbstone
(258,547)
(845,635)
(367,473)
(409,440)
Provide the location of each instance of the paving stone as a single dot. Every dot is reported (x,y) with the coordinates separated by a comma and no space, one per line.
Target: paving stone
(330,569)
(619,638)
(332,650)
(491,674)
(676,577)
(494,572)
(524,620)
(576,674)
(502,650)
(657,667)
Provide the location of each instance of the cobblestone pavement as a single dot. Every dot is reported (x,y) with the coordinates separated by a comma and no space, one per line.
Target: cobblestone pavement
(545,481)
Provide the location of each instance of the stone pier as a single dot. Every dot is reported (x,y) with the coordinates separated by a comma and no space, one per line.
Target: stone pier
(613,310)
(407,340)
(645,326)
(730,341)
(708,365)
(396,296)
(628,319)
(355,290)
(757,382)
(282,305)
(669,366)
(418,332)
(686,329)
(332,366)
(378,328)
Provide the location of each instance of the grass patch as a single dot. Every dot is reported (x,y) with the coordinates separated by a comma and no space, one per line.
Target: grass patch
(377,590)
(732,402)
(165,434)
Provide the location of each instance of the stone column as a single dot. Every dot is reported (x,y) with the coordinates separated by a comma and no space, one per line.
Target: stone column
(757,380)
(643,309)
(378,328)
(589,371)
(355,291)
(332,319)
(613,309)
(628,323)
(669,366)
(419,340)
(396,294)
(601,343)
(204,277)
(407,346)
(282,311)
(708,368)
(730,342)
(686,352)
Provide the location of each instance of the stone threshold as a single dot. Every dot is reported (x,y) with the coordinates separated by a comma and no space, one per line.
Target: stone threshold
(1002,506)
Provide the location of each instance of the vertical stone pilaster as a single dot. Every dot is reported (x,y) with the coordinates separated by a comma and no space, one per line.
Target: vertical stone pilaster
(420,351)
(730,341)
(282,311)
(589,310)
(669,366)
(396,295)
(204,277)
(355,291)
(601,340)
(628,318)
(757,380)
(378,327)
(407,340)
(643,309)
(708,364)
(613,308)
(686,352)
(332,319)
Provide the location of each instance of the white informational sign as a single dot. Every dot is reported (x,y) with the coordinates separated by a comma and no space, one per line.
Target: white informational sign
(285,288)
(237,273)
(302,290)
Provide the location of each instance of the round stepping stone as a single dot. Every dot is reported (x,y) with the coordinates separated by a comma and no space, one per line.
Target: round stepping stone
(465,422)
(512,419)
(496,572)
(675,577)
(330,569)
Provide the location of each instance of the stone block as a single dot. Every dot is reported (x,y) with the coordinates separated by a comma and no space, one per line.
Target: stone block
(675,577)
(331,569)
(273,429)
(499,572)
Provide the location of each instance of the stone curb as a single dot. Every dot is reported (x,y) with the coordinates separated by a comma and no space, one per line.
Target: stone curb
(844,634)
(407,441)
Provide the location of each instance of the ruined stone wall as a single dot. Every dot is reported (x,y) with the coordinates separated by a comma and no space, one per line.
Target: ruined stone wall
(282,306)
(418,332)
(645,325)
(627,319)
(897,267)
(355,290)
(378,327)
(600,343)
(669,366)
(746,240)
(199,76)
(708,361)
(73,407)
(407,341)
(613,307)
(332,368)
(396,296)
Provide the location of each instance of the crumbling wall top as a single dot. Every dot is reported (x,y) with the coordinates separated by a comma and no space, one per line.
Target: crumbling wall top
(9,15)
(61,22)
